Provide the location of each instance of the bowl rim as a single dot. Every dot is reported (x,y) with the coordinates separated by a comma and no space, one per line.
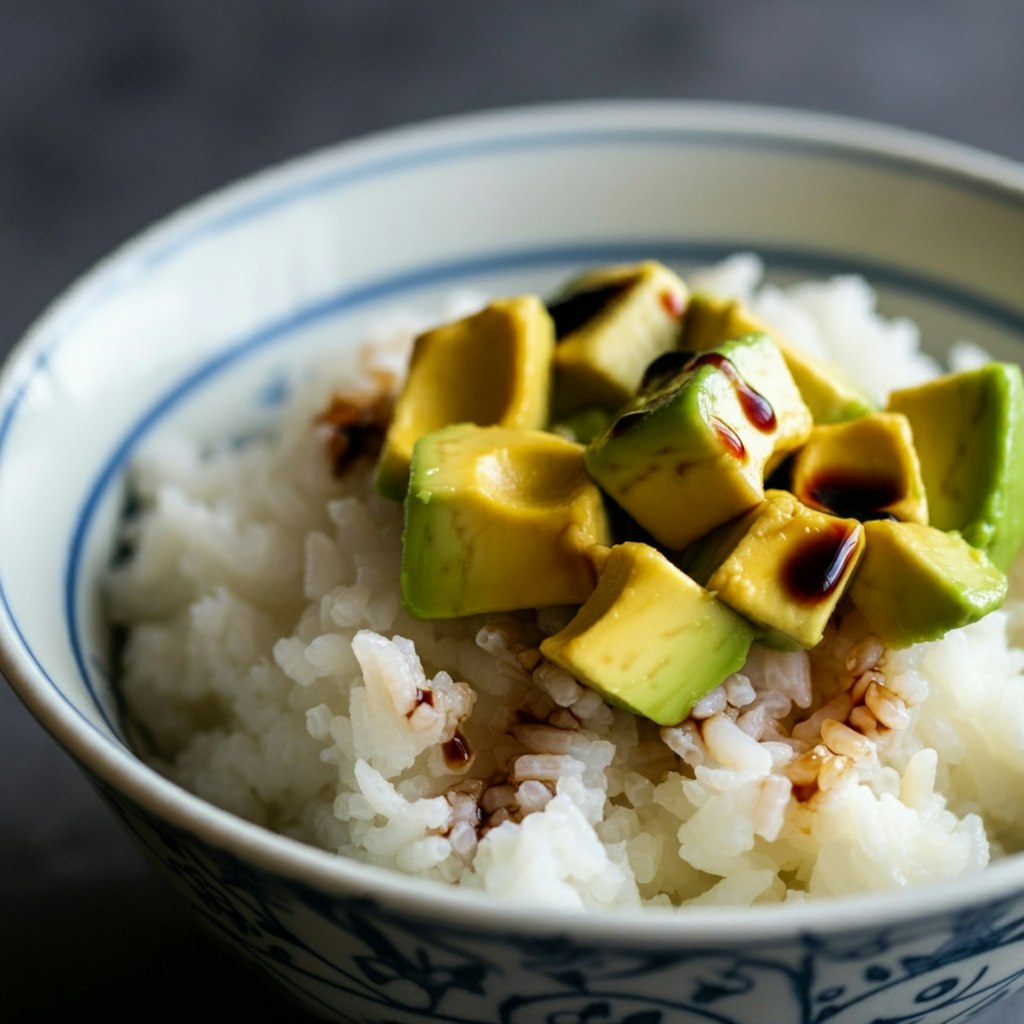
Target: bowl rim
(123,773)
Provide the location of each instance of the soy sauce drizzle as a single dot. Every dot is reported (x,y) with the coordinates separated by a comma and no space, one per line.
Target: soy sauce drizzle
(755,406)
(578,308)
(854,496)
(356,428)
(729,437)
(815,569)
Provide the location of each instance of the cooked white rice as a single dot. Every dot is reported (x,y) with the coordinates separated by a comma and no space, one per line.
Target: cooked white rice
(272,670)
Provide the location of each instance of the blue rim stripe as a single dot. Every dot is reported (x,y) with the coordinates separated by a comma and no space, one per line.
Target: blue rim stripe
(814,263)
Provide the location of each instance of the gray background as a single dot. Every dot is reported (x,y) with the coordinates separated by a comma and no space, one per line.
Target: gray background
(114,112)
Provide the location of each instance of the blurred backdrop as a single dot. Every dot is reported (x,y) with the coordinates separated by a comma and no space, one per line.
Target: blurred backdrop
(115,112)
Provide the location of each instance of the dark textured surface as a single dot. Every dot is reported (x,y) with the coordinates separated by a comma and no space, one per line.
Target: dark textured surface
(113,114)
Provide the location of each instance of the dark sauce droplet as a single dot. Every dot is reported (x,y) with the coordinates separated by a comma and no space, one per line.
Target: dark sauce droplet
(854,496)
(729,437)
(357,426)
(813,571)
(803,792)
(755,406)
(672,304)
(457,753)
(576,309)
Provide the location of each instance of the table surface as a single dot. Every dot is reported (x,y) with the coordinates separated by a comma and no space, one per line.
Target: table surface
(114,114)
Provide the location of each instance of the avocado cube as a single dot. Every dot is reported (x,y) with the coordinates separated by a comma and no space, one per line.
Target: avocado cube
(824,388)
(865,468)
(492,368)
(498,519)
(969,433)
(609,325)
(916,582)
(783,566)
(686,458)
(649,639)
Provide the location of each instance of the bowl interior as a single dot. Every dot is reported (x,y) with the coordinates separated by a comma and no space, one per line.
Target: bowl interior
(201,326)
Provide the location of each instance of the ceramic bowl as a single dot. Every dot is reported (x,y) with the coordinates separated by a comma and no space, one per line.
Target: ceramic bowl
(193,328)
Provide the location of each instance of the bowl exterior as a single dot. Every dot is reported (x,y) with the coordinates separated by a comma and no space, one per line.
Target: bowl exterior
(207,318)
(355,958)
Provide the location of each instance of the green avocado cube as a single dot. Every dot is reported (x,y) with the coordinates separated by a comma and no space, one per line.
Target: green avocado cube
(969,434)
(685,458)
(498,519)
(609,325)
(783,566)
(916,582)
(650,639)
(492,368)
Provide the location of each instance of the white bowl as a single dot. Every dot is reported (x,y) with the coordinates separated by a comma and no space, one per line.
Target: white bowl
(192,328)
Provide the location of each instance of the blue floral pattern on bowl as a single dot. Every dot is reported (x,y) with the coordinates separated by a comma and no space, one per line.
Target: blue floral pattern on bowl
(379,964)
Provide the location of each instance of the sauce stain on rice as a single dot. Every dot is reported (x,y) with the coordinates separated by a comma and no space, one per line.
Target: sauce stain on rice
(355,427)
(457,753)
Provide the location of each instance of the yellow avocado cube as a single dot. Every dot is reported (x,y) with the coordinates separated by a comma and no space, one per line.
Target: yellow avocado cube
(492,368)
(499,519)
(610,324)
(650,639)
(785,567)
(865,468)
